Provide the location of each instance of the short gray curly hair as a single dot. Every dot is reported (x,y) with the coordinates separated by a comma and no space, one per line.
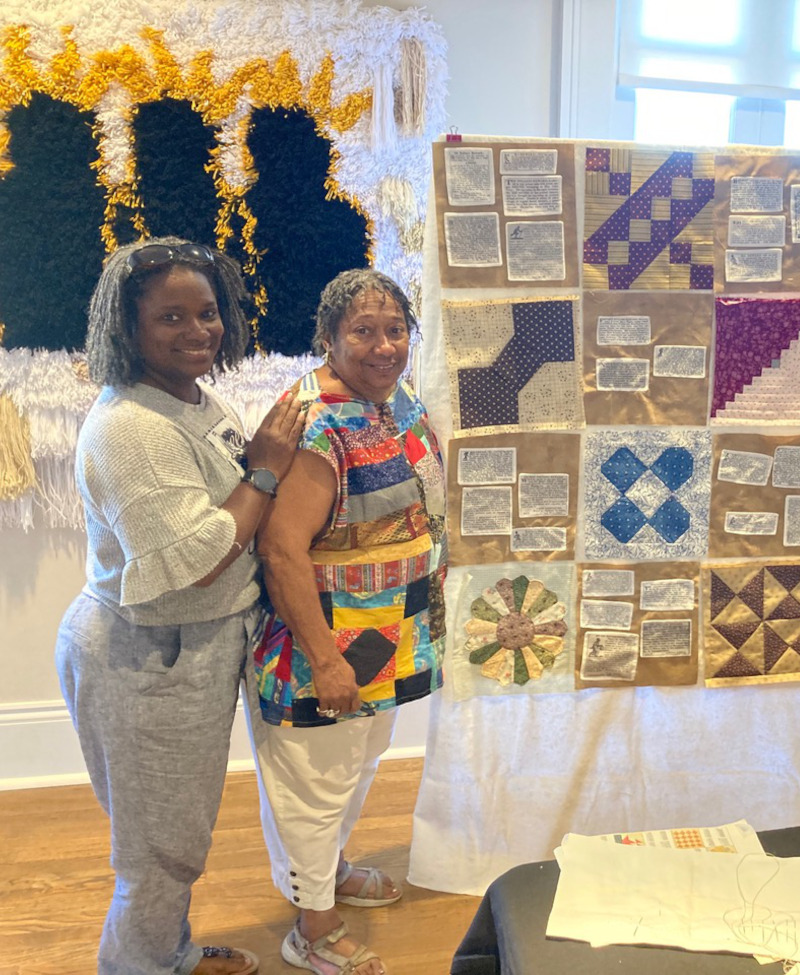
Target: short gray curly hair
(111,348)
(338,295)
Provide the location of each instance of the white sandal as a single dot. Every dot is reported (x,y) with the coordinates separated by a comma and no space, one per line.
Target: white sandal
(373,882)
(295,950)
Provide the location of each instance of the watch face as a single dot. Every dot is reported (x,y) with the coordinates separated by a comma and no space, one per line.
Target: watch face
(264,480)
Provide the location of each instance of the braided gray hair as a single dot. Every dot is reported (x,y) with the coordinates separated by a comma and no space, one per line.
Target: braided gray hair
(338,295)
(111,346)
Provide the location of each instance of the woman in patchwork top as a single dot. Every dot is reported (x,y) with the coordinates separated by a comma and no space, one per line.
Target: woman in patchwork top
(354,556)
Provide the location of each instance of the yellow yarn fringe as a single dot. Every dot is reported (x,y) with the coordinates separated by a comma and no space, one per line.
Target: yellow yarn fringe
(17,474)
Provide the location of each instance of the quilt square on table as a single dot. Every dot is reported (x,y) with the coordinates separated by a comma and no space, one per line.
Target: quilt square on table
(757,361)
(648,219)
(513,365)
(647,494)
(752,623)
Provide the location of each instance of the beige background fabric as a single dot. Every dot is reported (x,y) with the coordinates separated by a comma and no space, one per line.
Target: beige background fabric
(675,319)
(545,453)
(786,168)
(495,277)
(650,670)
(727,496)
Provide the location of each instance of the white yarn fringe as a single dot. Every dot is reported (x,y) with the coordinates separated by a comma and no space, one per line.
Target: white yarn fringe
(258,382)
(384,130)
(397,200)
(413,86)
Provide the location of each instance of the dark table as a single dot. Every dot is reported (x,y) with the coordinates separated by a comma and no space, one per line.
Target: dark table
(507,935)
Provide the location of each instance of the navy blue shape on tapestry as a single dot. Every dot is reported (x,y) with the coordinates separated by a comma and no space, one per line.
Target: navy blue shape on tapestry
(543,332)
(671,520)
(674,466)
(623,468)
(623,519)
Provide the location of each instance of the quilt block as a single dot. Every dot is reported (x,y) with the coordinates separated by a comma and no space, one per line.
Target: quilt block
(752,628)
(647,494)
(648,219)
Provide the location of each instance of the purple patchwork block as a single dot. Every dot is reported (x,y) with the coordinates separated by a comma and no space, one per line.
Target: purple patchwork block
(598,160)
(701,277)
(680,252)
(619,184)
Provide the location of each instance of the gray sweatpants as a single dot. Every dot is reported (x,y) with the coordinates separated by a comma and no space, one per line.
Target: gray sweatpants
(153,707)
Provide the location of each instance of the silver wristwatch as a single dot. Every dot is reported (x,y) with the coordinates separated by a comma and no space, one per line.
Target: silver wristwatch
(262,480)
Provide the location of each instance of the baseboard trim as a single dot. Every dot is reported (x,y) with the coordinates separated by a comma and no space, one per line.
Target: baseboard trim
(39,747)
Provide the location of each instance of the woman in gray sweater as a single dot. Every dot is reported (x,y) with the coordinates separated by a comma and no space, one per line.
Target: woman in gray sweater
(151,652)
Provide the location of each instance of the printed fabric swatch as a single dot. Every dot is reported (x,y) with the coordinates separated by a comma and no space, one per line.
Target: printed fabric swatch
(752,632)
(513,365)
(513,631)
(757,361)
(647,494)
(648,220)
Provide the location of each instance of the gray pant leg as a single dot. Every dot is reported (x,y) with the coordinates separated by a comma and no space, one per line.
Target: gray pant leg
(153,707)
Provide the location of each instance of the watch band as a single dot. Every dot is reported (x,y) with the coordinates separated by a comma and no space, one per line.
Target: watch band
(262,480)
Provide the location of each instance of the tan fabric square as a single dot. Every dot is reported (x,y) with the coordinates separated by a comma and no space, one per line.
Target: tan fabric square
(597,184)
(618,251)
(620,160)
(640,230)
(660,208)
(682,188)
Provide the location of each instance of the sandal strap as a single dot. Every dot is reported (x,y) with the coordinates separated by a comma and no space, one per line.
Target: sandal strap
(374,876)
(212,951)
(343,873)
(346,966)
(327,939)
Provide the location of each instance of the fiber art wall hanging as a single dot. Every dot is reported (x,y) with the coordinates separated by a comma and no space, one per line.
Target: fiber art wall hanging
(686,321)
(295,136)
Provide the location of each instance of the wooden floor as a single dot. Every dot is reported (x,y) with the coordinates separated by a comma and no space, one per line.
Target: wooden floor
(55,882)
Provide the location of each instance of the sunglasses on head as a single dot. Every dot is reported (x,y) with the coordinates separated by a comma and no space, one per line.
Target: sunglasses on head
(155,255)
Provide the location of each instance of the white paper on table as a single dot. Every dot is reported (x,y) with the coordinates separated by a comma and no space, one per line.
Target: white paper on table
(611,893)
(738,837)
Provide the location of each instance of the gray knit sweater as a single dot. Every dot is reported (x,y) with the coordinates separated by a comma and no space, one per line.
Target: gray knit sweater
(152,472)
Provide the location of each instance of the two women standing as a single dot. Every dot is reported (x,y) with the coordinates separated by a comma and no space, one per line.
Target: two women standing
(151,653)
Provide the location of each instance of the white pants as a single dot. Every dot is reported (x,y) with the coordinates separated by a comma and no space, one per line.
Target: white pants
(312,785)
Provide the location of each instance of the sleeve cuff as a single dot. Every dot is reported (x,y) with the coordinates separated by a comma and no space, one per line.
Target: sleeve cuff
(179,565)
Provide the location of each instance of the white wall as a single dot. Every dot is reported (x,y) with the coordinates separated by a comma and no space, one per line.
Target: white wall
(501,67)
(501,63)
